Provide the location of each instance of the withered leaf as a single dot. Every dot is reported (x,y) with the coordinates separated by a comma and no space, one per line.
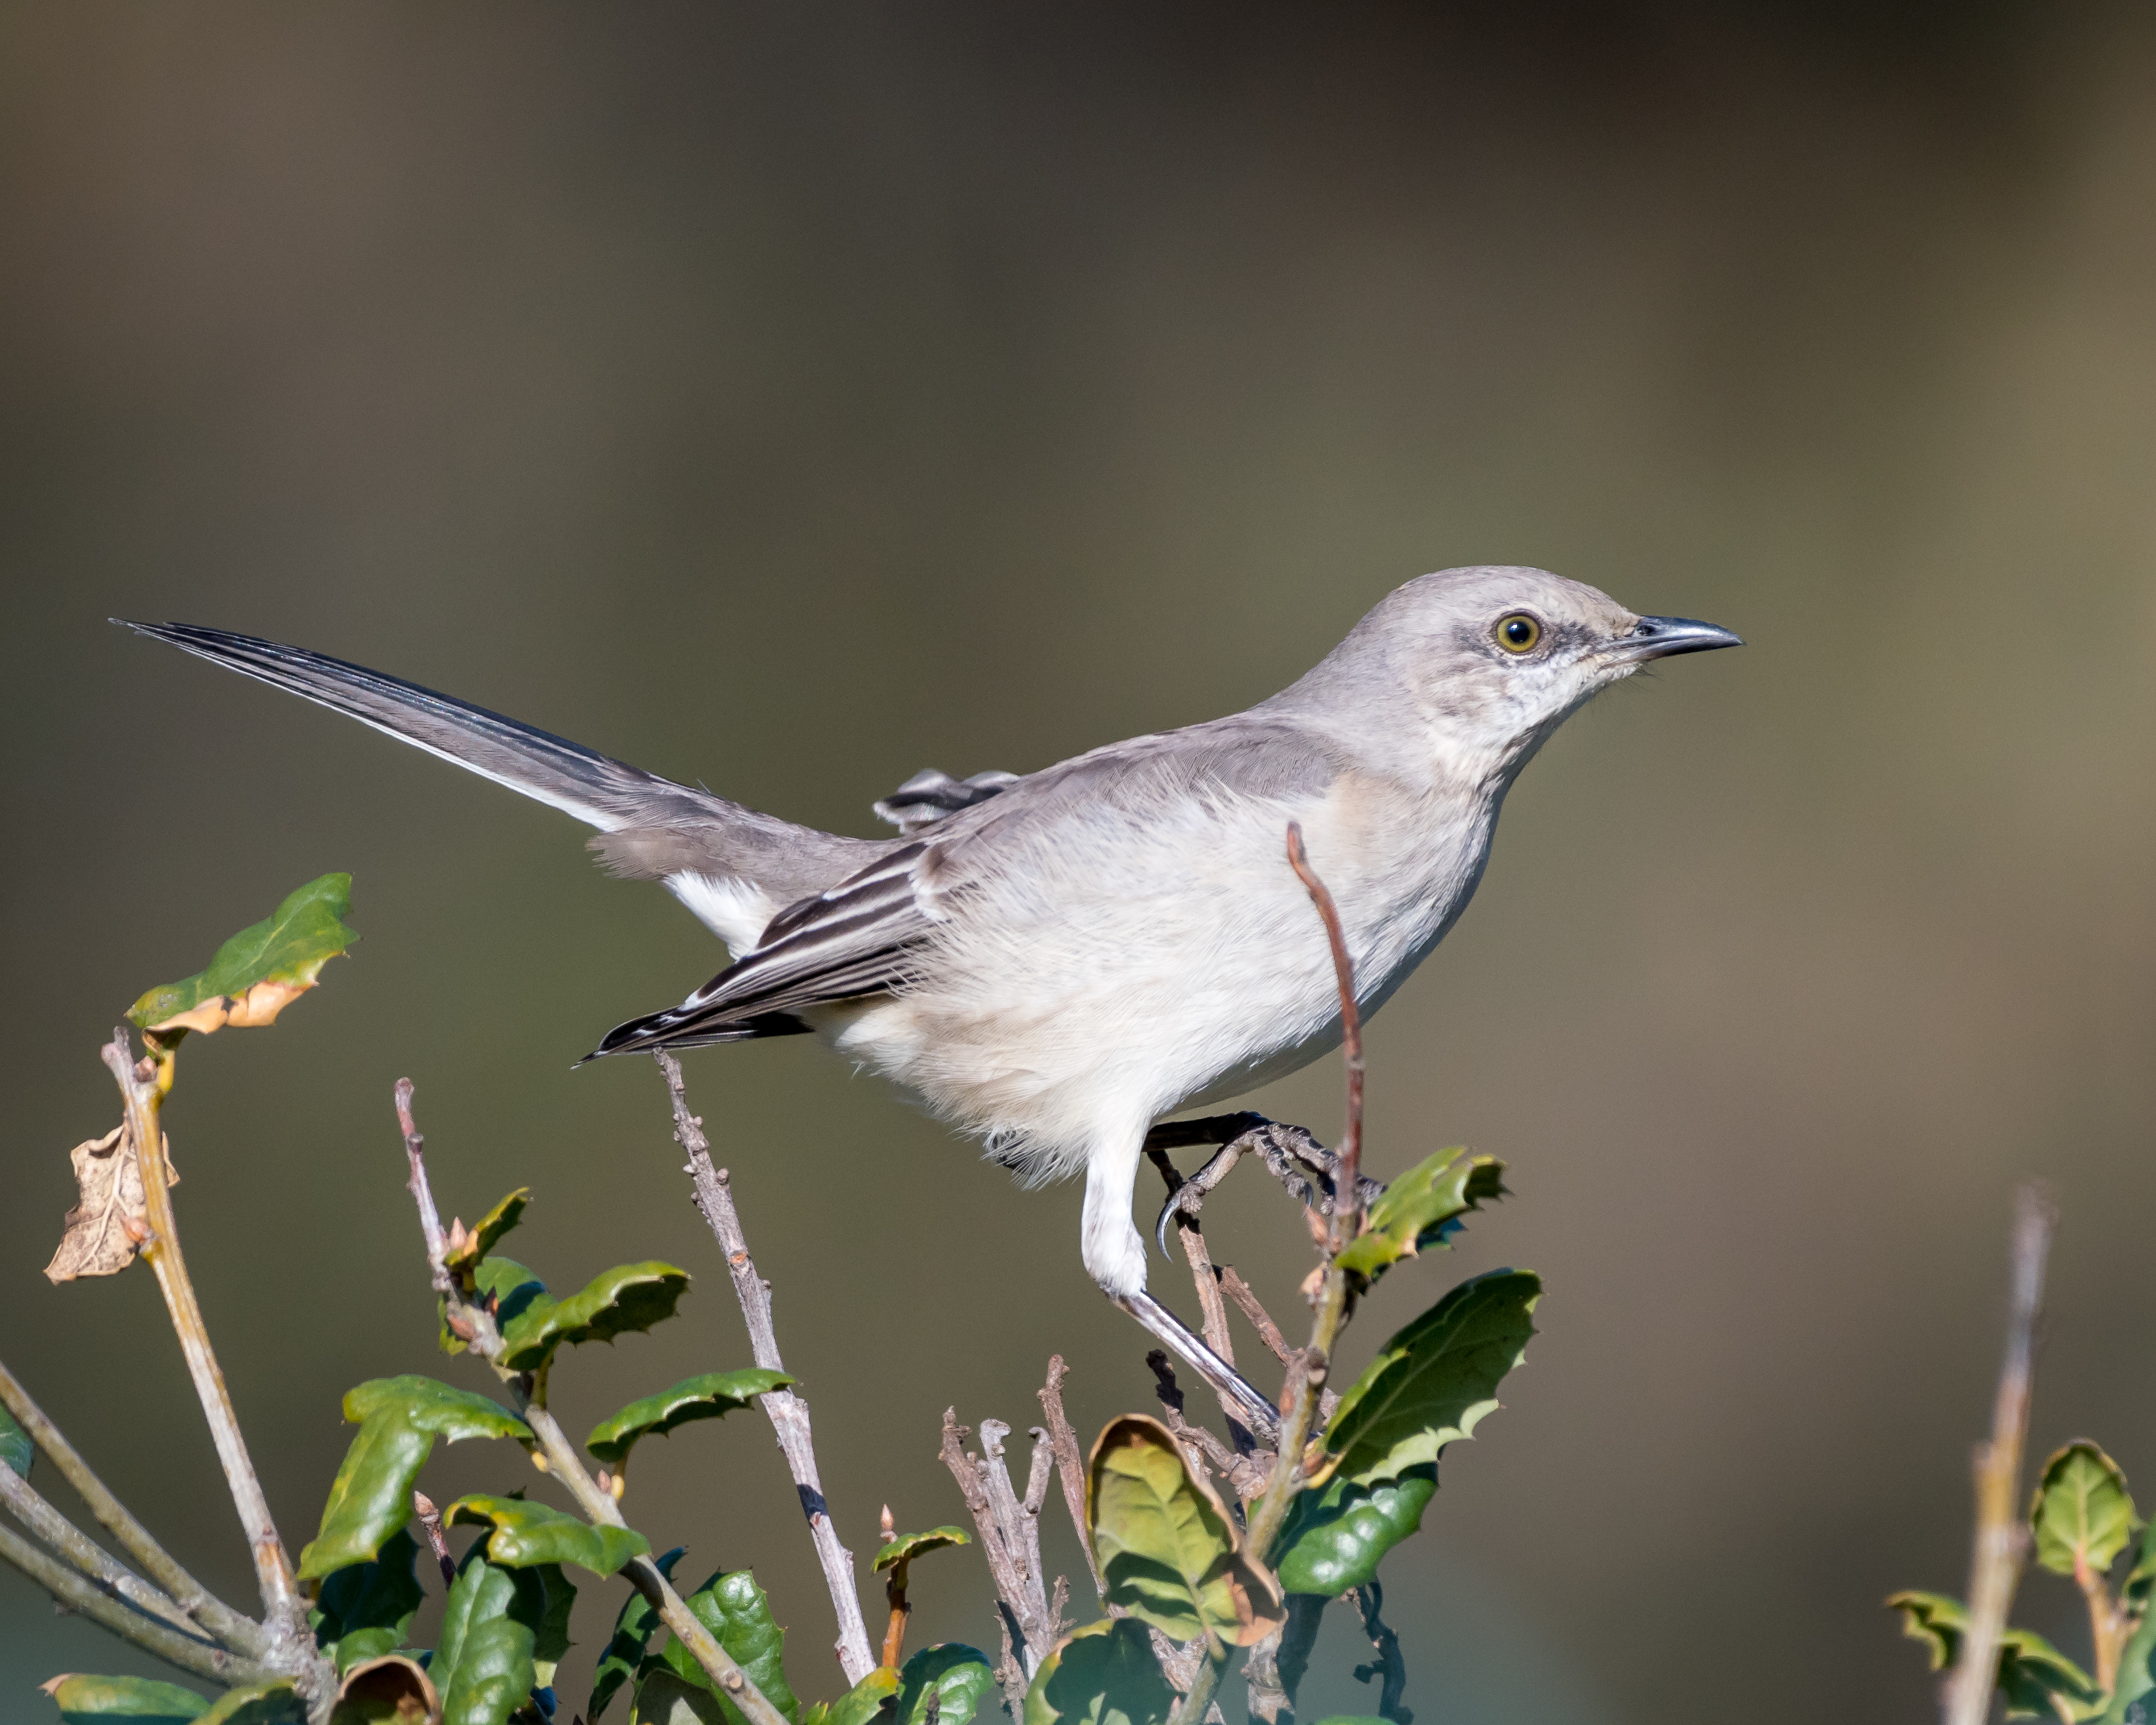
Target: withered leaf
(107,1227)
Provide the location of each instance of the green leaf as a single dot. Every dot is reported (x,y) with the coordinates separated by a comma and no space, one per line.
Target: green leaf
(630,1296)
(480,1240)
(733,1608)
(16,1450)
(2141,1580)
(864,1701)
(366,1609)
(84,1698)
(2082,1512)
(709,1397)
(634,1627)
(959,1677)
(371,1498)
(261,970)
(526,1533)
(493,1676)
(2034,1678)
(398,1420)
(907,1547)
(272,1703)
(1336,1536)
(507,1283)
(1421,1209)
(1104,1674)
(665,1698)
(1433,1383)
(2137,1665)
(1168,1551)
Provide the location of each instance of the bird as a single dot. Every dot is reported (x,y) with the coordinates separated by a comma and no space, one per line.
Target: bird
(1052,961)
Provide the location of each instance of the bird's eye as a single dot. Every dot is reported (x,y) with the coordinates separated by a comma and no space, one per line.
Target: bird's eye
(1518,633)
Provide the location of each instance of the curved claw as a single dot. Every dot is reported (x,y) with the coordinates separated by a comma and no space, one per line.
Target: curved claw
(1167,1212)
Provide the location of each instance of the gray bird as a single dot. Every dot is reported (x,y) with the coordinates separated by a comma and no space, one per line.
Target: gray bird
(1056,961)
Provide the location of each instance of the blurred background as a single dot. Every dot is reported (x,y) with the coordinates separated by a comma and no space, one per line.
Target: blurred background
(794,398)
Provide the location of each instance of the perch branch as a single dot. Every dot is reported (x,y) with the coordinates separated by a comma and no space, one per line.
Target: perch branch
(477,1327)
(237,1631)
(1070,1462)
(77,1549)
(170,1645)
(143,1089)
(788,1412)
(1299,1397)
(2001,1538)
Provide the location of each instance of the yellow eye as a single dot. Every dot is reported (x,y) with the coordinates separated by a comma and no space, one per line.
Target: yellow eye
(1518,633)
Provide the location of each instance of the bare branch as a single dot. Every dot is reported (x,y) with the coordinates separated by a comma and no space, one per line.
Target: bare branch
(1348,1193)
(237,1631)
(1388,1666)
(101,1607)
(786,1409)
(1010,1540)
(423,1195)
(1070,1460)
(2001,1538)
(88,1557)
(142,1092)
(1247,1303)
(430,1523)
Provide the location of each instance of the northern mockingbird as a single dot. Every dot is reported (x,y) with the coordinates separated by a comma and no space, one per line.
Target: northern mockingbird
(1055,961)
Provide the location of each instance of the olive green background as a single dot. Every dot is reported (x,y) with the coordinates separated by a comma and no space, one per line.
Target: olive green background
(793,398)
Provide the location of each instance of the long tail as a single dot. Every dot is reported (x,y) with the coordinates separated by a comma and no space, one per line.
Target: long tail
(655,828)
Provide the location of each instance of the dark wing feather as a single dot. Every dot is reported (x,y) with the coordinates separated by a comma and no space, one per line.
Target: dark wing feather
(857,939)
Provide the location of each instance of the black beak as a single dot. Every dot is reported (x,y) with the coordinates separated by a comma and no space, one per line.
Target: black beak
(1660,636)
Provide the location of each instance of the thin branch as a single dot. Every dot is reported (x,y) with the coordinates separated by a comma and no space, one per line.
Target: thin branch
(74,1547)
(1388,1667)
(1246,1302)
(430,1523)
(237,1631)
(2001,1538)
(142,1091)
(788,1412)
(1010,1540)
(1347,1187)
(423,1195)
(1070,1462)
(101,1607)
(473,1323)
(1246,1472)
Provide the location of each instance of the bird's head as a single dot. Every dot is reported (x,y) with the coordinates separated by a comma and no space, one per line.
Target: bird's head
(1488,661)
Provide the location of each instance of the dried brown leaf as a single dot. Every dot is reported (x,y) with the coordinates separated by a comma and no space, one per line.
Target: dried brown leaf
(109,1223)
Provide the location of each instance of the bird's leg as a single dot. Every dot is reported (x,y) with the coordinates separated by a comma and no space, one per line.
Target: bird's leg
(1293,1156)
(1258,1413)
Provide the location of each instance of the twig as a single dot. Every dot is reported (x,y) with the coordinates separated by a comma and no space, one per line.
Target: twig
(1247,1472)
(122,1619)
(423,1195)
(2001,1538)
(430,1523)
(477,1327)
(1299,1396)
(788,1412)
(237,1631)
(91,1559)
(1261,1320)
(1070,1462)
(142,1091)
(1010,1540)
(1389,1667)
(1212,1309)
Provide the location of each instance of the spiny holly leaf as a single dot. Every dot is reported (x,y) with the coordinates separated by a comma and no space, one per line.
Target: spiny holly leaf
(1432,1383)
(526,1533)
(260,971)
(365,1610)
(398,1419)
(392,1689)
(511,1287)
(629,1297)
(438,1409)
(733,1608)
(1104,1674)
(2082,1512)
(1166,1549)
(705,1398)
(2034,1678)
(272,1703)
(1335,1536)
(958,1675)
(483,1655)
(550,1638)
(17,1451)
(467,1249)
(1422,1209)
(634,1627)
(907,1547)
(141,1699)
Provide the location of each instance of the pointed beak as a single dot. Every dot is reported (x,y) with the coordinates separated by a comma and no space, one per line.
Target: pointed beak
(1660,636)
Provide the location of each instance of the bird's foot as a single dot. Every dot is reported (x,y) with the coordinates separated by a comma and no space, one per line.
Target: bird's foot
(1291,1154)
